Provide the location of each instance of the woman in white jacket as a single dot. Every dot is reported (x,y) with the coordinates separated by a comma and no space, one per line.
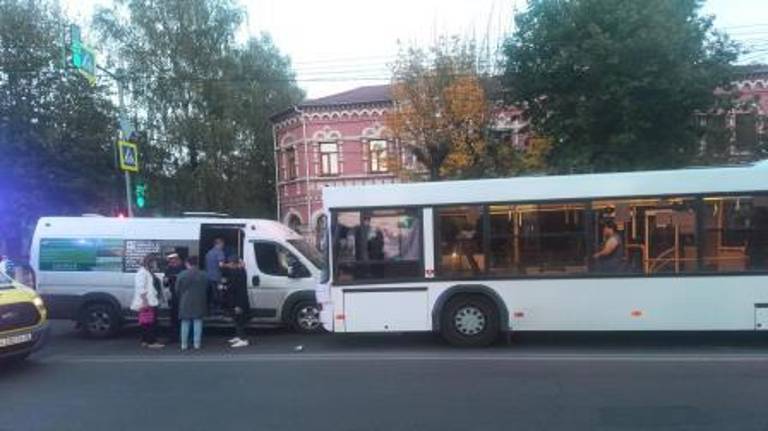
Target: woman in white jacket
(146,296)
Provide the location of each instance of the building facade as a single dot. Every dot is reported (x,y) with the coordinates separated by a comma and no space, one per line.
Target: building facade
(338,140)
(342,140)
(739,133)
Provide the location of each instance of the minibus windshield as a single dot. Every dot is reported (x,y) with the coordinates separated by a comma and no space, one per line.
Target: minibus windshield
(309,252)
(5,281)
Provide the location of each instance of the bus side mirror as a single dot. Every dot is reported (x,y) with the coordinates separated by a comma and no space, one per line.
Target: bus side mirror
(255,280)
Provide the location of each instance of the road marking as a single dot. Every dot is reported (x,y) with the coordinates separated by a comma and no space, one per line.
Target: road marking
(414,357)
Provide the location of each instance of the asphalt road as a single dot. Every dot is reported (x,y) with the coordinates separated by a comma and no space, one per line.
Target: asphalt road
(393,382)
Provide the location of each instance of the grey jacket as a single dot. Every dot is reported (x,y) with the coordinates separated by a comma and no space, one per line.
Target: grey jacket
(192,288)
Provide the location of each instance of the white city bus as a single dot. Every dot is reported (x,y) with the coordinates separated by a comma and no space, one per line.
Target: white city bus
(472,259)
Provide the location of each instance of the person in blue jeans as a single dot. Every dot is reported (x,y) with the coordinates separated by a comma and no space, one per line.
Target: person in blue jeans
(192,286)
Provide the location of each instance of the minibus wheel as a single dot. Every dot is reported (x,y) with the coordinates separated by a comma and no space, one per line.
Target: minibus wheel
(99,320)
(470,320)
(305,318)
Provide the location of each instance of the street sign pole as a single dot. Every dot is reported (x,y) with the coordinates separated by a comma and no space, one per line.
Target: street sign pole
(122,114)
(128,193)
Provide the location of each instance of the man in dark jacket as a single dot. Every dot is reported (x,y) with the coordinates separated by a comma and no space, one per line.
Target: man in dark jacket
(174,268)
(192,287)
(237,295)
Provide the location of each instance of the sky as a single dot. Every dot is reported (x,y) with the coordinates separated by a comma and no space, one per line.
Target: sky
(336,45)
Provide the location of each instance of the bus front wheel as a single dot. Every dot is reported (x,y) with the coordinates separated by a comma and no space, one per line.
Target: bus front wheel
(470,321)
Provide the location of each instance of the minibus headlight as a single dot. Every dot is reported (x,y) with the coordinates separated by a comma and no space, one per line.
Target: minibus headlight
(38,301)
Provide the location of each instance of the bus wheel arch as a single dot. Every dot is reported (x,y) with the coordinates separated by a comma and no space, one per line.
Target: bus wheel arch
(478,304)
(99,315)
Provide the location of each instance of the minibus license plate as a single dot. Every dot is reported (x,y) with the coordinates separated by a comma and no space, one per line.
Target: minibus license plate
(15,339)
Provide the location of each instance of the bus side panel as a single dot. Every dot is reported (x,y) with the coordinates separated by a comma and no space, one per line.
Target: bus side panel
(386,310)
(659,303)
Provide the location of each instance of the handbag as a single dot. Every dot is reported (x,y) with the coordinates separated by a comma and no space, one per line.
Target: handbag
(146,316)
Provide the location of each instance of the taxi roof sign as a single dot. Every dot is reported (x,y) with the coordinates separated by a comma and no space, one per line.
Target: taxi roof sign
(129,156)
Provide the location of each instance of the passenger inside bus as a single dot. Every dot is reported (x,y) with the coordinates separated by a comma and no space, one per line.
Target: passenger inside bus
(379,244)
(610,257)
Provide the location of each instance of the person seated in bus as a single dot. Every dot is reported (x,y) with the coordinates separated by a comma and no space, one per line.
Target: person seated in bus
(610,258)
(214,260)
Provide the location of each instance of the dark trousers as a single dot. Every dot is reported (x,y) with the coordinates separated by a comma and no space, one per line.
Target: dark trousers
(175,322)
(148,333)
(214,296)
(241,321)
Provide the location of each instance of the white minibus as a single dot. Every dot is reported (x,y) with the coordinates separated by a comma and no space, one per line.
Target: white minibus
(660,250)
(85,265)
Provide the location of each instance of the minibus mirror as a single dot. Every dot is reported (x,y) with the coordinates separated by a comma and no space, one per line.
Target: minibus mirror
(255,280)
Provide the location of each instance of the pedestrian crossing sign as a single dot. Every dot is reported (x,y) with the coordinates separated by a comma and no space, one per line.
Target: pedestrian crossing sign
(129,156)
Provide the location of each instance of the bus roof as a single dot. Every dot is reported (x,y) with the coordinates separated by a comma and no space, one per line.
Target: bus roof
(747,178)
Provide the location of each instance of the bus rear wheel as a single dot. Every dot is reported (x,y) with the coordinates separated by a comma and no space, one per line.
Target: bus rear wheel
(470,321)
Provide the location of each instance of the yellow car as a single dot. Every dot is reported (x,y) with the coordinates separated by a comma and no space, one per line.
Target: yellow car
(23,320)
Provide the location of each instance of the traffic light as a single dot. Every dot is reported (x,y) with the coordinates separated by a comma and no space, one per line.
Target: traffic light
(141,195)
(83,58)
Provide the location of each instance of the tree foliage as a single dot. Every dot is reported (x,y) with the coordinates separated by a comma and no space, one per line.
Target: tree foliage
(615,84)
(441,110)
(203,100)
(56,130)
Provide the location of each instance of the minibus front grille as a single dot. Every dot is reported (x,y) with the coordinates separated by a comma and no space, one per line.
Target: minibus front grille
(19,315)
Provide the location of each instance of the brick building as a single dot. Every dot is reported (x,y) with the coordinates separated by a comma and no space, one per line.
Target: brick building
(337,140)
(342,140)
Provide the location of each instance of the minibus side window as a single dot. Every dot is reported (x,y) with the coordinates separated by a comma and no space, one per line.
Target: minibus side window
(274,259)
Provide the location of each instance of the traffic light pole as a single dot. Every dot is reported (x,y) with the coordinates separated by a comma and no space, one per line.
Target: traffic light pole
(123,120)
(84,60)
(128,192)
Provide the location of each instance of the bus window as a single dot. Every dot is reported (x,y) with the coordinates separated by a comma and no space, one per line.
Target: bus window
(552,239)
(655,235)
(735,234)
(461,241)
(537,240)
(377,244)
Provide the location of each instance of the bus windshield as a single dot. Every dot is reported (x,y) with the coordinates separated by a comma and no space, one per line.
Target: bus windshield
(309,252)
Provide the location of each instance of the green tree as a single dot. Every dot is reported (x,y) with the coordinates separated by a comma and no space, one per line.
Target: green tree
(203,100)
(56,130)
(616,83)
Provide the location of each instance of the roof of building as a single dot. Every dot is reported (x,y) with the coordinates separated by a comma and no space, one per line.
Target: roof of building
(368,94)
(750,70)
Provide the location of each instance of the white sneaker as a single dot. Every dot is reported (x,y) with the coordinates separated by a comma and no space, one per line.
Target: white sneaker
(233,340)
(241,343)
